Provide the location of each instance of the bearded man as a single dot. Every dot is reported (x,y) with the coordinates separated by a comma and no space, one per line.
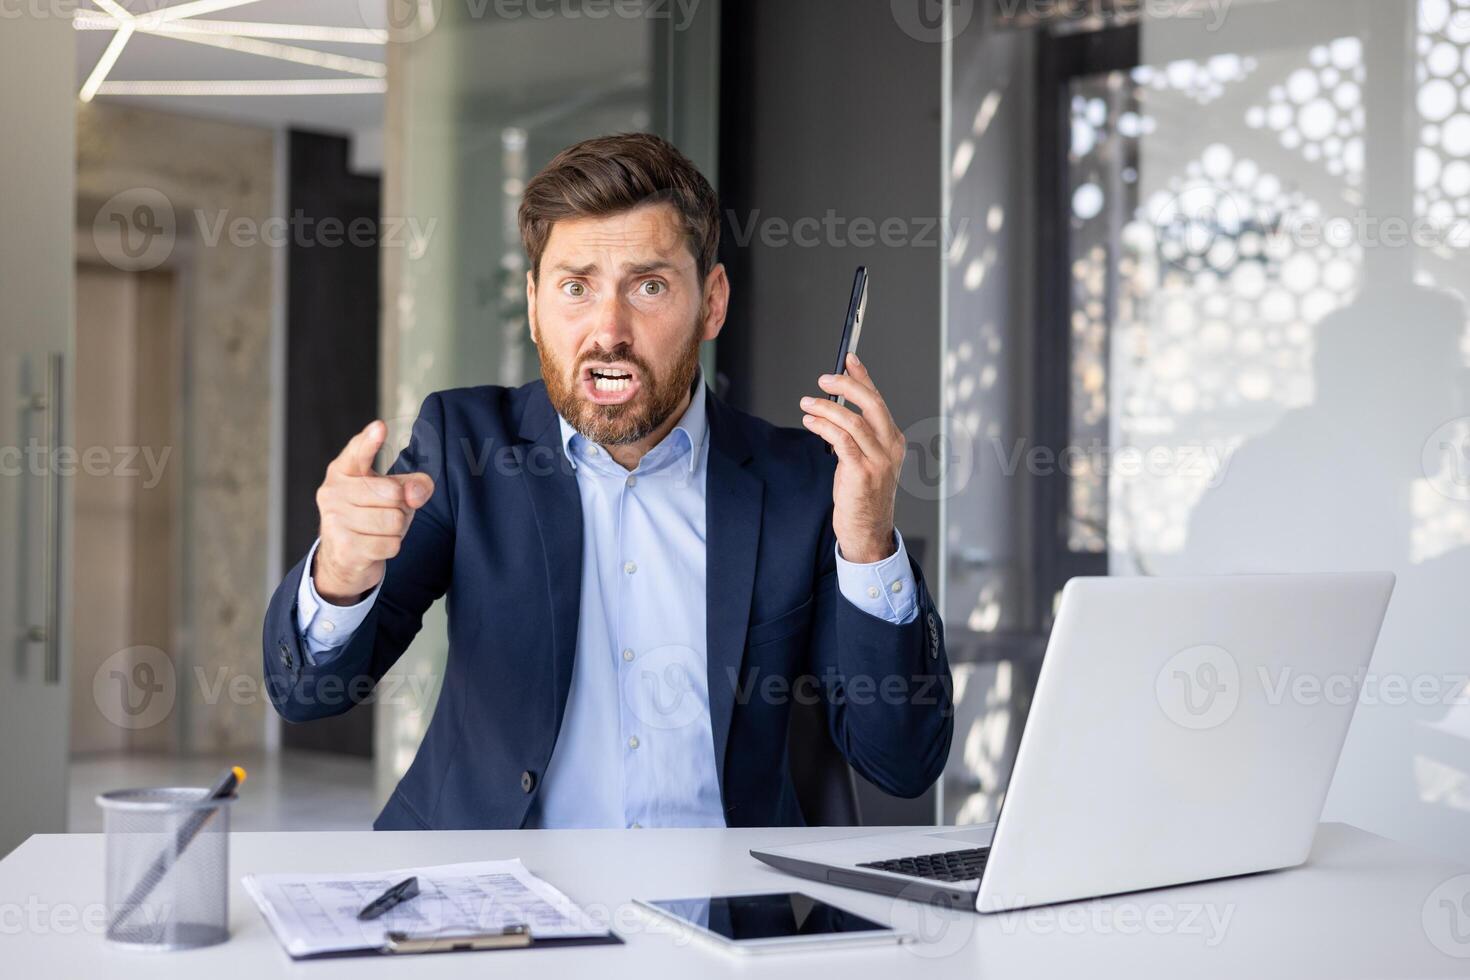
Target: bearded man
(641,580)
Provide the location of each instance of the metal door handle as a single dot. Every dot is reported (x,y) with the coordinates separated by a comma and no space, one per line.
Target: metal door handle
(48,632)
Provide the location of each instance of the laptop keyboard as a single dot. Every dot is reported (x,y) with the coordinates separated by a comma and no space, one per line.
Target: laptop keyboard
(945,866)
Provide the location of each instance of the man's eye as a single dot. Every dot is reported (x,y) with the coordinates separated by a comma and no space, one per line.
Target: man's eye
(652,287)
(575,289)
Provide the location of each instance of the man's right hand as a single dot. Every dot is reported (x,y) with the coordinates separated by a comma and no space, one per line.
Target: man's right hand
(364,517)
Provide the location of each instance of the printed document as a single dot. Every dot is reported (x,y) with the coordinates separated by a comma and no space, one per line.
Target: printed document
(316,914)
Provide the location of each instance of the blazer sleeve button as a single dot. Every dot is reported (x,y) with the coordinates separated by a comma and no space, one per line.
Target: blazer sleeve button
(528,781)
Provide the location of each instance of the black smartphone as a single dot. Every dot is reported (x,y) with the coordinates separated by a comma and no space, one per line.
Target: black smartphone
(852,327)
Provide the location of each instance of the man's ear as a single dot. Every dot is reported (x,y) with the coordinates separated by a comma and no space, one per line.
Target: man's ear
(716,302)
(531,304)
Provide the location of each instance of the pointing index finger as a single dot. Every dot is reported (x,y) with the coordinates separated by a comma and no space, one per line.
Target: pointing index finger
(361,451)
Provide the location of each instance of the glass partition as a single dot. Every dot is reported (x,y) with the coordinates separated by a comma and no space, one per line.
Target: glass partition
(1245,349)
(1290,314)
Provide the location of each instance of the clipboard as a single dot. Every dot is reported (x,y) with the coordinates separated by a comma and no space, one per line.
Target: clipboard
(516,937)
(513,937)
(481,905)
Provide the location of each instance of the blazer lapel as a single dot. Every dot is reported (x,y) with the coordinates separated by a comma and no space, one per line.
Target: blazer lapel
(557,505)
(734,496)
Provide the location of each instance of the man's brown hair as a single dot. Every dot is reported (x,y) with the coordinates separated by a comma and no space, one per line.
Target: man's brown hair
(610,174)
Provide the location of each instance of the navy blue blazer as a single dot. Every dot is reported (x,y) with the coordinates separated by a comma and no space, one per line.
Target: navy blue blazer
(506,519)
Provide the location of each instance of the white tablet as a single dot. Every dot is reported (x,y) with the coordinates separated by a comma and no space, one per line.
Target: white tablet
(772,922)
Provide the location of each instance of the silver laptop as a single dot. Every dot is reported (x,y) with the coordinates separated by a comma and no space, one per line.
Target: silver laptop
(1182,729)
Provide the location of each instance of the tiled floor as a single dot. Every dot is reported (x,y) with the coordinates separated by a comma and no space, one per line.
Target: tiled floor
(286,791)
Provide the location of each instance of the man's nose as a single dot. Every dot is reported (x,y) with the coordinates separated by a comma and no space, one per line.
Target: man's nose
(614,324)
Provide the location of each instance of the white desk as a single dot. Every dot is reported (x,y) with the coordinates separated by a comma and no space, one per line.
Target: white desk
(1362,907)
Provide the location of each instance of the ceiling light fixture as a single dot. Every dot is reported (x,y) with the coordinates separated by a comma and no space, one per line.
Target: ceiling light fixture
(117,10)
(180,23)
(97,21)
(282,52)
(104,64)
(194,8)
(285,32)
(254,86)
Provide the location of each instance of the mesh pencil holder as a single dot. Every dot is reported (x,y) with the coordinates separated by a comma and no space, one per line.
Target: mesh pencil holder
(168,868)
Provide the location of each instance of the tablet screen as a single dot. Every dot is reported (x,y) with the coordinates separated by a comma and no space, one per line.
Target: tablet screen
(779,915)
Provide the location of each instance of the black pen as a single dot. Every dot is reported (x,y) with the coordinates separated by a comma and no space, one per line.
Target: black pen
(399,893)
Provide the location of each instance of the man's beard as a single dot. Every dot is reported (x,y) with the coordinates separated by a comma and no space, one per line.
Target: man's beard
(619,425)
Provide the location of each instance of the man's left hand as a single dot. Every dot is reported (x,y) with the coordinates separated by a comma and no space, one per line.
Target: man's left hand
(870,450)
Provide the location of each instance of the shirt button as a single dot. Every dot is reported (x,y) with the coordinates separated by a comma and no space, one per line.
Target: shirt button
(632,481)
(635,825)
(628,655)
(872,592)
(897,586)
(630,567)
(592,450)
(328,625)
(632,741)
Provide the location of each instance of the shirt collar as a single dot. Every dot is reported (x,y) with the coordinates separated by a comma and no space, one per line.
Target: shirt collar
(688,433)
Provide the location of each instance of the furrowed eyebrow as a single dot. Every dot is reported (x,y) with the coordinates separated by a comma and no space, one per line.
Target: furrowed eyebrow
(644,268)
(634,269)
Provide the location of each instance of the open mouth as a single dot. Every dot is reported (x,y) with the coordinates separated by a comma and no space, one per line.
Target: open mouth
(609,380)
(609,384)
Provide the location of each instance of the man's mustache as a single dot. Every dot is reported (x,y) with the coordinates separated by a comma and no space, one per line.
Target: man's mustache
(612,357)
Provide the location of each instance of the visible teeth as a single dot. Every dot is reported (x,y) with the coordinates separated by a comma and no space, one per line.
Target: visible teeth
(610,384)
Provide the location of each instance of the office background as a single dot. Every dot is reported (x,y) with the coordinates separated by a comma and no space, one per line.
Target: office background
(1158,288)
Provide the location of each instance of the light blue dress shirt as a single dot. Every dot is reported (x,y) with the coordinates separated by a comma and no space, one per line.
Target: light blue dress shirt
(635,747)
